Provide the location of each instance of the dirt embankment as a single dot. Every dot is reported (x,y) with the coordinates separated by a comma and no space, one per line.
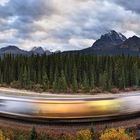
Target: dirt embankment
(17,92)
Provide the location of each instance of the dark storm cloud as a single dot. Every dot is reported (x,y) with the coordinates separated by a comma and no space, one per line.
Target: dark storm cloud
(133,5)
(27,10)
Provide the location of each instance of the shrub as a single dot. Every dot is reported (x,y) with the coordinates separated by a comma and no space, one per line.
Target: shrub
(2,137)
(38,88)
(115,90)
(84,135)
(115,134)
(15,84)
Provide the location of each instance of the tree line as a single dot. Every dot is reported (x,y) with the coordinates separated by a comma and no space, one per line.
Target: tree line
(70,72)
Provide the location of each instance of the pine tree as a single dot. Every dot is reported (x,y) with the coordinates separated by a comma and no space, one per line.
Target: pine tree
(62,84)
(74,83)
(85,83)
(33,135)
(56,81)
(92,81)
(74,80)
(45,82)
(135,75)
(122,80)
(24,78)
(103,80)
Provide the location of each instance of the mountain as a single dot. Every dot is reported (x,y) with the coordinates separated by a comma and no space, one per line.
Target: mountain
(111,43)
(38,50)
(108,40)
(47,52)
(57,51)
(17,51)
(114,43)
(12,50)
(106,44)
(132,43)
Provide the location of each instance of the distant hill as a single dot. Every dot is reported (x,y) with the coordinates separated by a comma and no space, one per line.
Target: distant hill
(12,50)
(17,51)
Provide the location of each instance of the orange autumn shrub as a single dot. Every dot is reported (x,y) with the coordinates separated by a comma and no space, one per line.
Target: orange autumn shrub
(116,134)
(2,137)
(84,135)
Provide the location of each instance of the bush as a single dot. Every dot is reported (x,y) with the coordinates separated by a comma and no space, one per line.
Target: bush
(38,88)
(15,84)
(2,137)
(115,90)
(115,134)
(84,135)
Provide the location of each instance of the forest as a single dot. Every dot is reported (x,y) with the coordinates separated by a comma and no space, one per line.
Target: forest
(70,73)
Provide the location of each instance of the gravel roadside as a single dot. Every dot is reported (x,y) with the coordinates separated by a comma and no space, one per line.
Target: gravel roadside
(17,92)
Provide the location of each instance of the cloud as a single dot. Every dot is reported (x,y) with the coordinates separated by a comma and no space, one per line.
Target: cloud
(81,43)
(65,25)
(26,10)
(3,2)
(86,23)
(129,5)
(7,34)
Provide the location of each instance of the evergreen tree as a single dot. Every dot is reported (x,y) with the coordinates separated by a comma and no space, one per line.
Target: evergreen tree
(103,80)
(74,80)
(122,80)
(65,71)
(56,81)
(85,83)
(45,82)
(62,84)
(24,77)
(92,81)
(74,83)
(33,135)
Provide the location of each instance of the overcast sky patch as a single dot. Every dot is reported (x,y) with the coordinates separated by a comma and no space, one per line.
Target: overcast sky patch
(65,24)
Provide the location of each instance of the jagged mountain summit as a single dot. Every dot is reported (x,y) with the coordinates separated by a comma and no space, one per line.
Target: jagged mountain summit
(114,43)
(108,40)
(40,51)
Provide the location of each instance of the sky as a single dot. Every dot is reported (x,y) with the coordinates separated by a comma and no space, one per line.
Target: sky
(65,24)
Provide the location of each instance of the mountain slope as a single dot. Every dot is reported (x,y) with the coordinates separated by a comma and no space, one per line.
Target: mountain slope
(114,43)
(38,50)
(12,50)
(108,40)
(132,43)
